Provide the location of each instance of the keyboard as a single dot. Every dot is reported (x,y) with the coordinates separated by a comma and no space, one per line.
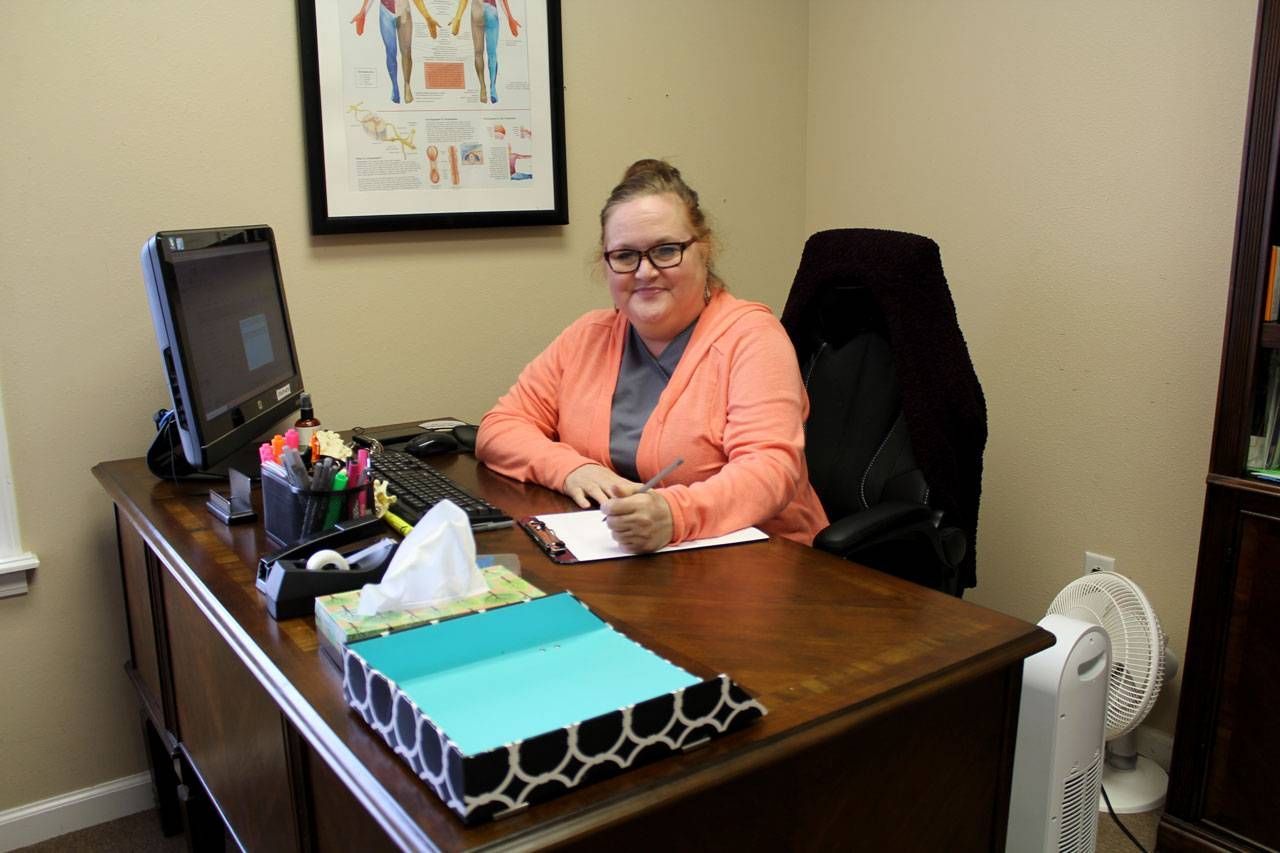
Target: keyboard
(418,487)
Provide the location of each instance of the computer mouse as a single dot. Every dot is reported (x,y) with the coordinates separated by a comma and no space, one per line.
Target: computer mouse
(431,443)
(466,435)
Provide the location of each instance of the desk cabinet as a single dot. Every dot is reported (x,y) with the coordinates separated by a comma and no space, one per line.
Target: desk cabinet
(147,635)
(1226,752)
(226,763)
(230,730)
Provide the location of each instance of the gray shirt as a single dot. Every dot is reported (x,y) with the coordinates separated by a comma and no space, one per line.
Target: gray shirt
(641,380)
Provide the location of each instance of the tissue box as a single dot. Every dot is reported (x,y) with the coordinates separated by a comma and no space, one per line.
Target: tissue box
(509,707)
(338,623)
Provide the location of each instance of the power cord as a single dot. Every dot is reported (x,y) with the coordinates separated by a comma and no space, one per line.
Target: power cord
(165,458)
(163,419)
(1123,828)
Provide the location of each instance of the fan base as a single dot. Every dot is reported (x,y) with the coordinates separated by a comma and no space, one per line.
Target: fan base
(1132,791)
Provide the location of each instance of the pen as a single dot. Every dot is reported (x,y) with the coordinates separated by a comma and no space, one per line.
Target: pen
(296,471)
(321,479)
(654,480)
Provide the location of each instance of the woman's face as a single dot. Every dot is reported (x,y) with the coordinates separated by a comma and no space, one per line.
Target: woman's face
(660,303)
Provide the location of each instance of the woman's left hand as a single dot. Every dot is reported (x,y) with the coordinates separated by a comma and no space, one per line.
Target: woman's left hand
(639,522)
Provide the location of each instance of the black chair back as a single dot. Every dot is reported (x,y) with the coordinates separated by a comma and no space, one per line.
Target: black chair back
(856,441)
(897,422)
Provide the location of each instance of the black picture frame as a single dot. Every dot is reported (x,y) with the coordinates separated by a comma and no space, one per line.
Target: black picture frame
(449,172)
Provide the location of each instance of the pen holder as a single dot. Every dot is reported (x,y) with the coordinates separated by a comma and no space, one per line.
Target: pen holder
(290,513)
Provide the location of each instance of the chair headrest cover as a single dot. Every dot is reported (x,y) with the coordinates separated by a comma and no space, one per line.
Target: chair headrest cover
(941,397)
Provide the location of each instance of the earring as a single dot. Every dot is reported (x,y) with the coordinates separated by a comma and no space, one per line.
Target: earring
(706,293)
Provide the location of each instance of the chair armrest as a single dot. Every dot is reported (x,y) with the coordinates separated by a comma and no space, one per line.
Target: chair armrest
(849,532)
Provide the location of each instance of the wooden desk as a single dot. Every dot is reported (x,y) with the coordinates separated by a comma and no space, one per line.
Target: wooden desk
(892,709)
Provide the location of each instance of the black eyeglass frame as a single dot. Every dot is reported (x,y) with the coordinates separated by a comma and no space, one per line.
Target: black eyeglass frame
(648,253)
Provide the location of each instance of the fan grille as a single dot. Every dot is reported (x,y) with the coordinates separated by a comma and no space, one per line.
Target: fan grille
(1078,828)
(1119,606)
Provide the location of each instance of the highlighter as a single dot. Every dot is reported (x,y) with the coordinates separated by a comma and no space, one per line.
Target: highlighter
(355,482)
(362,499)
(398,524)
(335,501)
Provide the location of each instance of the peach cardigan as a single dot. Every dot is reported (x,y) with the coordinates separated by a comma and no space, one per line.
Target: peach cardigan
(734,409)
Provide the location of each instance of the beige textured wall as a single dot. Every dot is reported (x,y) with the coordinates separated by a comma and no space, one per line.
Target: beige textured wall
(1078,164)
(146,116)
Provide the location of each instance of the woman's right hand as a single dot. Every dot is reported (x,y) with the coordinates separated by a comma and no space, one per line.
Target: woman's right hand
(591,483)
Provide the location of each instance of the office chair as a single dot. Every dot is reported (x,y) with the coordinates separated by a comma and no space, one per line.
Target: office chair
(897,420)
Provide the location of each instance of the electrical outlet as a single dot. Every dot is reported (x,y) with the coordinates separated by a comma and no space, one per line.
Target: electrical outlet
(1098,562)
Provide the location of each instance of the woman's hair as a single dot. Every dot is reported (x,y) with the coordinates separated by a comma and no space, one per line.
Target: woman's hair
(656,177)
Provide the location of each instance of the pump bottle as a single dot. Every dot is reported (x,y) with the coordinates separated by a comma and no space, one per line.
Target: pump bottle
(307,423)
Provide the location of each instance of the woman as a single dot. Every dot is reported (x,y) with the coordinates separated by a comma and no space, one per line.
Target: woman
(678,369)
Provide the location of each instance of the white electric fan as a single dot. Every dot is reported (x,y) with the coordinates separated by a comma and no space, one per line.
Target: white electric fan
(1139,658)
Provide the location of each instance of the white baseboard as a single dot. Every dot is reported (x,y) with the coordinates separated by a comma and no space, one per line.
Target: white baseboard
(65,813)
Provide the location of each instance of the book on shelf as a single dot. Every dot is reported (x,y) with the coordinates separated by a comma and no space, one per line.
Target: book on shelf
(1270,298)
(1271,305)
(1265,452)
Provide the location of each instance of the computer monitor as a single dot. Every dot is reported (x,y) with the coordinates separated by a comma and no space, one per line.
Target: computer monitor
(222,323)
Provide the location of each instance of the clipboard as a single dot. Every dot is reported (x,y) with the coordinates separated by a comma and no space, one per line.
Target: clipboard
(582,537)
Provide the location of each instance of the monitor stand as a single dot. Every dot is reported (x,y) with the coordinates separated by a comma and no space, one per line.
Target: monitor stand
(238,505)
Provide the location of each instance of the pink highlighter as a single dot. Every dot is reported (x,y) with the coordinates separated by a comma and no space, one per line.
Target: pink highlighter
(361,480)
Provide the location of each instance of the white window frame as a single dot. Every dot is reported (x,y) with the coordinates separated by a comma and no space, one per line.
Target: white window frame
(15,563)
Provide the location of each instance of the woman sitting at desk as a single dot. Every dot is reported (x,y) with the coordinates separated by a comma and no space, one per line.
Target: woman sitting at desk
(678,368)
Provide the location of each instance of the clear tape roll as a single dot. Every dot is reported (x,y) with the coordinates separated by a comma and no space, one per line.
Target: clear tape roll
(327,560)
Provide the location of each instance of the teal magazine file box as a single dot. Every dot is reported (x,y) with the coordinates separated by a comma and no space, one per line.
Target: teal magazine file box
(504,708)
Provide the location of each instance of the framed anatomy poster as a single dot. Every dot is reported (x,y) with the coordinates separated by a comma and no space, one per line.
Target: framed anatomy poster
(432,113)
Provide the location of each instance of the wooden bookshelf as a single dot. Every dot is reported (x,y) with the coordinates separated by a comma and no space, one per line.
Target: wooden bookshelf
(1226,752)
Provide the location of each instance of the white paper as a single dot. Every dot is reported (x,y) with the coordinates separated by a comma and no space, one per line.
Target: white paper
(441,423)
(588,538)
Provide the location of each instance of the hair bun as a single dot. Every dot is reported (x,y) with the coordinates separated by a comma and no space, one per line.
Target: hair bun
(650,166)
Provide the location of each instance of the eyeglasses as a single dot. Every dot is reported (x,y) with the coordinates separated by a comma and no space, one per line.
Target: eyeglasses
(662,256)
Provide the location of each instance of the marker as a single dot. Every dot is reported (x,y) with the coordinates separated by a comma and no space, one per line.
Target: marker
(654,480)
(339,484)
(398,524)
(294,468)
(362,497)
(355,477)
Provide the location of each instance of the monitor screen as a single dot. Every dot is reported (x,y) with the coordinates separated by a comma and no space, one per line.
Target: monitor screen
(222,323)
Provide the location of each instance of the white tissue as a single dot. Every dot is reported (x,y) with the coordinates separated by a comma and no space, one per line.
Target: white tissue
(435,564)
